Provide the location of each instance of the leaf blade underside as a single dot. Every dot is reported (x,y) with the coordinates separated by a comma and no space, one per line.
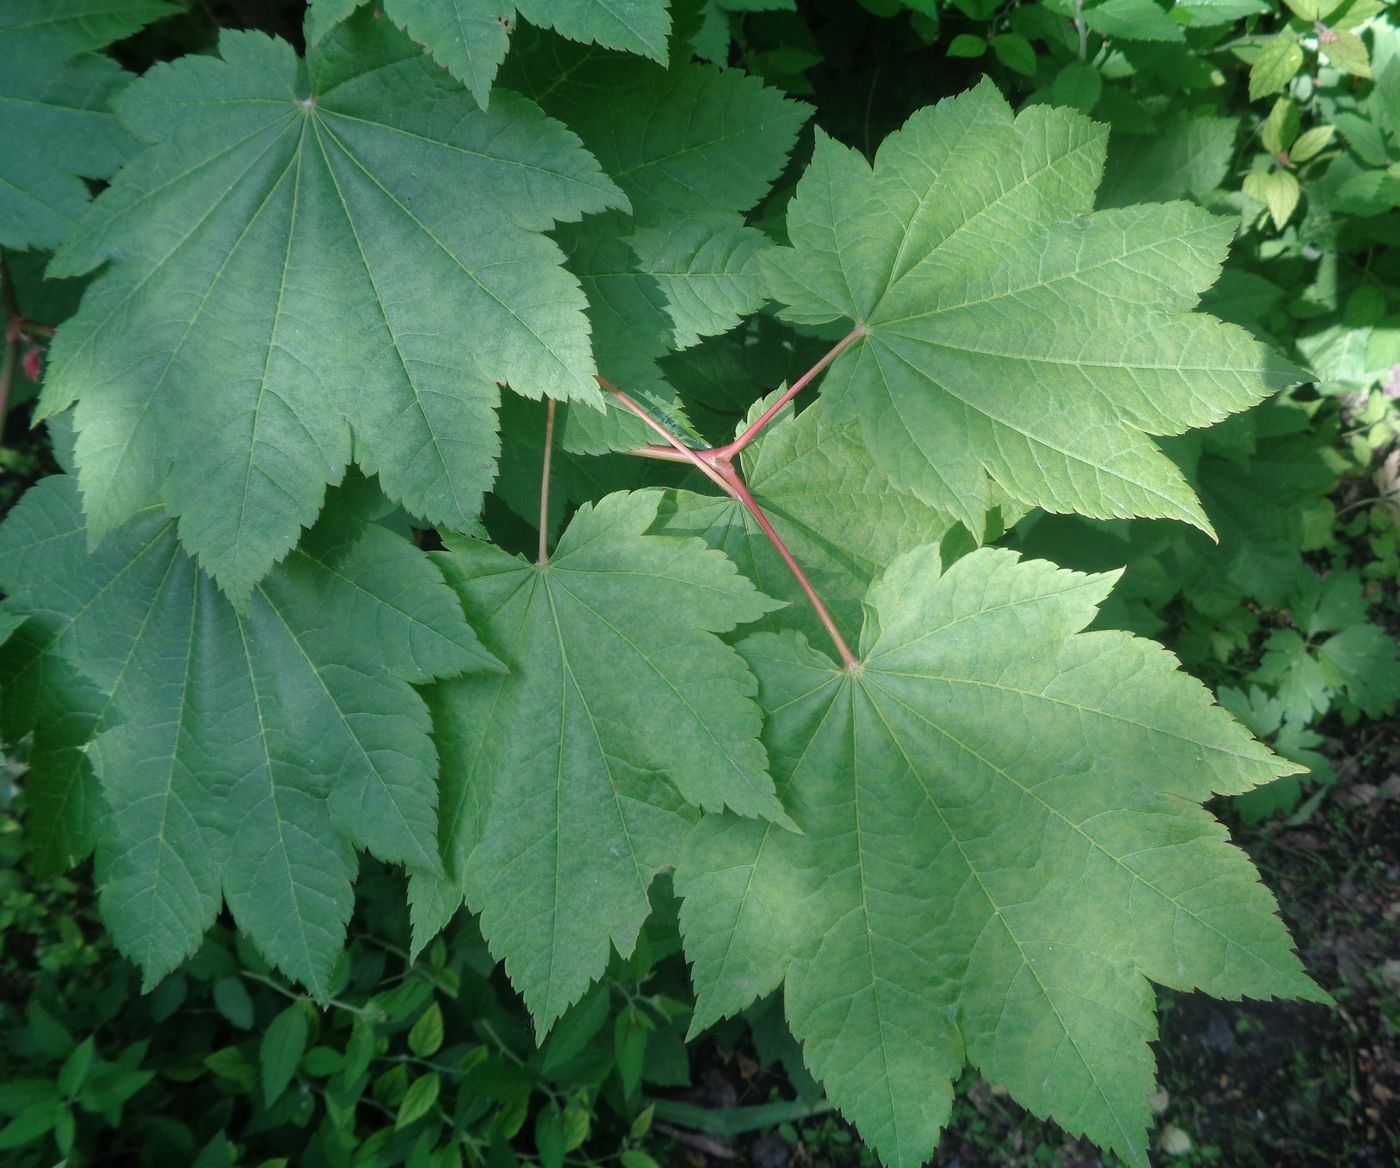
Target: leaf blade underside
(240,757)
(265,303)
(1002,843)
(1013,334)
(571,780)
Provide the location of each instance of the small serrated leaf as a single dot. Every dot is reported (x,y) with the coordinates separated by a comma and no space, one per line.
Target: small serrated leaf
(1346,51)
(1275,66)
(279,1053)
(1133,20)
(1310,143)
(1281,126)
(1276,189)
(418,1100)
(425,1038)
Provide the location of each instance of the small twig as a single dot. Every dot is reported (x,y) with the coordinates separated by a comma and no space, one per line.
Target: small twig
(1081,28)
(544,483)
(696,1140)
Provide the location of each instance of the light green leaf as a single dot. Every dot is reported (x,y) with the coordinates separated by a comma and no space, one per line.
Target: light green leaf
(425,1037)
(1211,13)
(1278,130)
(55,125)
(1311,10)
(1275,66)
(418,1100)
(566,782)
(966,45)
(1346,51)
(1002,843)
(1133,20)
(1311,143)
(1010,333)
(1078,85)
(242,757)
(1015,52)
(1276,189)
(263,301)
(279,1053)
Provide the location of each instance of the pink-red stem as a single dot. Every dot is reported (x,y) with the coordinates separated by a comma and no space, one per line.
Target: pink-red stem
(718,467)
(791,392)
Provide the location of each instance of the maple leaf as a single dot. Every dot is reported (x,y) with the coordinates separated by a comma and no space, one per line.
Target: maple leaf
(306,252)
(1012,333)
(1333,649)
(55,125)
(570,781)
(1002,844)
(692,147)
(687,140)
(469,38)
(239,757)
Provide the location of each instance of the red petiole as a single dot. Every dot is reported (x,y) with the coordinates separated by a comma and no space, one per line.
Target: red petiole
(718,466)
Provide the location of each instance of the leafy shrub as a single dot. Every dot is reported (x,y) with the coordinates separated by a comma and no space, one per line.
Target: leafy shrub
(346,560)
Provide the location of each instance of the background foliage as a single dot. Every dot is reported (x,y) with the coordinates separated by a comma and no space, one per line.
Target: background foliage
(1283,117)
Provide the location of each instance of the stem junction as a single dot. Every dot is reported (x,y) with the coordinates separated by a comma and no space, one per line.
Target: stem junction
(717,465)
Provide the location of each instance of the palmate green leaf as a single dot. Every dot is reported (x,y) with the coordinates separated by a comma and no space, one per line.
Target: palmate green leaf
(685,141)
(836,513)
(692,147)
(469,38)
(305,254)
(1002,843)
(55,125)
(1013,334)
(240,757)
(570,781)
